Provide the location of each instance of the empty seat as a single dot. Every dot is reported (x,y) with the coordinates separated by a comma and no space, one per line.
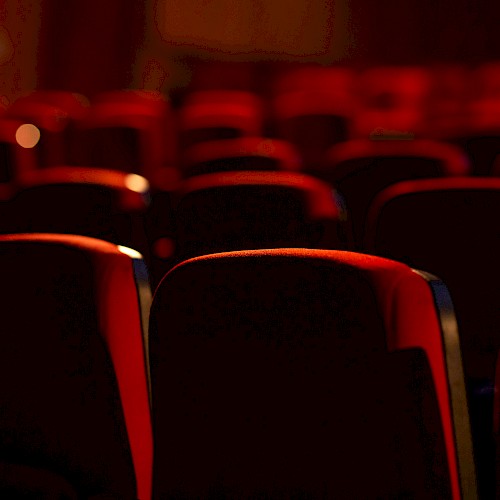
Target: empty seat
(129,131)
(390,101)
(74,389)
(297,373)
(359,169)
(99,203)
(312,109)
(246,153)
(449,228)
(208,115)
(249,210)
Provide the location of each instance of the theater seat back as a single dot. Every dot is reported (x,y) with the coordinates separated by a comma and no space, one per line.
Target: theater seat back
(295,374)
(72,419)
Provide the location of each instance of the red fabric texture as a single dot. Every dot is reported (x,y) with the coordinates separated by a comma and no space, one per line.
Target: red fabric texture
(120,322)
(408,311)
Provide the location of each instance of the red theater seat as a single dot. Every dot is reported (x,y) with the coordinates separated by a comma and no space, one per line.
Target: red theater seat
(245,153)
(208,115)
(249,210)
(447,102)
(476,127)
(306,374)
(359,169)
(129,131)
(74,389)
(99,203)
(312,109)
(391,100)
(448,228)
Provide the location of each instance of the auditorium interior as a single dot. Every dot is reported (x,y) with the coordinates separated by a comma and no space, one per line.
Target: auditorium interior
(248,249)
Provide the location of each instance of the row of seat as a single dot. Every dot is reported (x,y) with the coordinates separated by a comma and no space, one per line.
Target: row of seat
(287,373)
(449,225)
(137,131)
(442,225)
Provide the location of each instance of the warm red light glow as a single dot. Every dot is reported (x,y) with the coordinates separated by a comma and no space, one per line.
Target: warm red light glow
(27,135)
(136,183)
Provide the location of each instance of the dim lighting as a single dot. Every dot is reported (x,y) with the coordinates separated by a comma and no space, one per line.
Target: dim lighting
(27,135)
(136,183)
(133,254)
(163,248)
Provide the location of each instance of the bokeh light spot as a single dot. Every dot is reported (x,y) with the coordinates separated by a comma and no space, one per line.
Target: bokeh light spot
(27,135)
(136,183)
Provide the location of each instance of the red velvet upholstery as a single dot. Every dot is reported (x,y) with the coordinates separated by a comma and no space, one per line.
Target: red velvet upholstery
(250,210)
(246,153)
(446,227)
(131,131)
(359,169)
(74,389)
(276,373)
(219,114)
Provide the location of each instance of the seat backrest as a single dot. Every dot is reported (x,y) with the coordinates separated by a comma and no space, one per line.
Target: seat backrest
(74,386)
(360,169)
(312,109)
(391,98)
(250,210)
(98,203)
(244,153)
(130,131)
(447,227)
(304,373)
(208,115)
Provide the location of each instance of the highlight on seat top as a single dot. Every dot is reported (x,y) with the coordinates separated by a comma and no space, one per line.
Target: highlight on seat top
(306,373)
(74,384)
